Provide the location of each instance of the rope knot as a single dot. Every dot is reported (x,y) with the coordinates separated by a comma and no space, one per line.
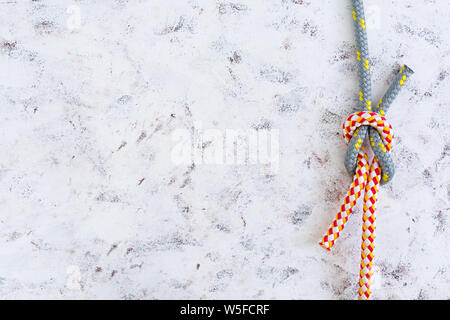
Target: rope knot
(366,176)
(372,119)
(366,180)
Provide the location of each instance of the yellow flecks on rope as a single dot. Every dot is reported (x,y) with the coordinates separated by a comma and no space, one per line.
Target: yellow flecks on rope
(366,64)
(358,144)
(385,177)
(379,103)
(363,23)
(371,142)
(361,96)
(354,15)
(358,55)
(382,147)
(369,105)
(403,79)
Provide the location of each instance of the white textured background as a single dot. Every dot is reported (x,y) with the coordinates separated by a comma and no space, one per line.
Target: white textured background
(87,112)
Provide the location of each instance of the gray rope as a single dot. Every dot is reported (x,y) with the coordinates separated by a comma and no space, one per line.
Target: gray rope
(365,97)
(386,162)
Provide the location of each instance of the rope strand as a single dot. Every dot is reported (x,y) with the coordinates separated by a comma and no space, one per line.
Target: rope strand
(366,178)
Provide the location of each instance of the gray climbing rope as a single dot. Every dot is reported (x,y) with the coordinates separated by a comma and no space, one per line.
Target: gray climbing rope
(366,177)
(365,97)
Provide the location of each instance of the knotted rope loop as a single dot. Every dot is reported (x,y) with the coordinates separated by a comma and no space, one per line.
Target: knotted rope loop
(366,178)
(372,119)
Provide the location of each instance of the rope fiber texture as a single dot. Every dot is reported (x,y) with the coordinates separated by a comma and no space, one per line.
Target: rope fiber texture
(368,121)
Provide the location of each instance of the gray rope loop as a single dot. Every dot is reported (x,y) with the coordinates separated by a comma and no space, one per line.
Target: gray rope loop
(365,97)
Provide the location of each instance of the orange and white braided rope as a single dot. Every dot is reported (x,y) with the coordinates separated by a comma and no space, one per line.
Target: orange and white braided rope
(366,179)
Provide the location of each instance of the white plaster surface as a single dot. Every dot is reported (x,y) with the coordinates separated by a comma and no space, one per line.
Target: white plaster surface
(93,206)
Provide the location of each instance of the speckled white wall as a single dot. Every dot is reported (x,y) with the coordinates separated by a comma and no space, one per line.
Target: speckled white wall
(92,204)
